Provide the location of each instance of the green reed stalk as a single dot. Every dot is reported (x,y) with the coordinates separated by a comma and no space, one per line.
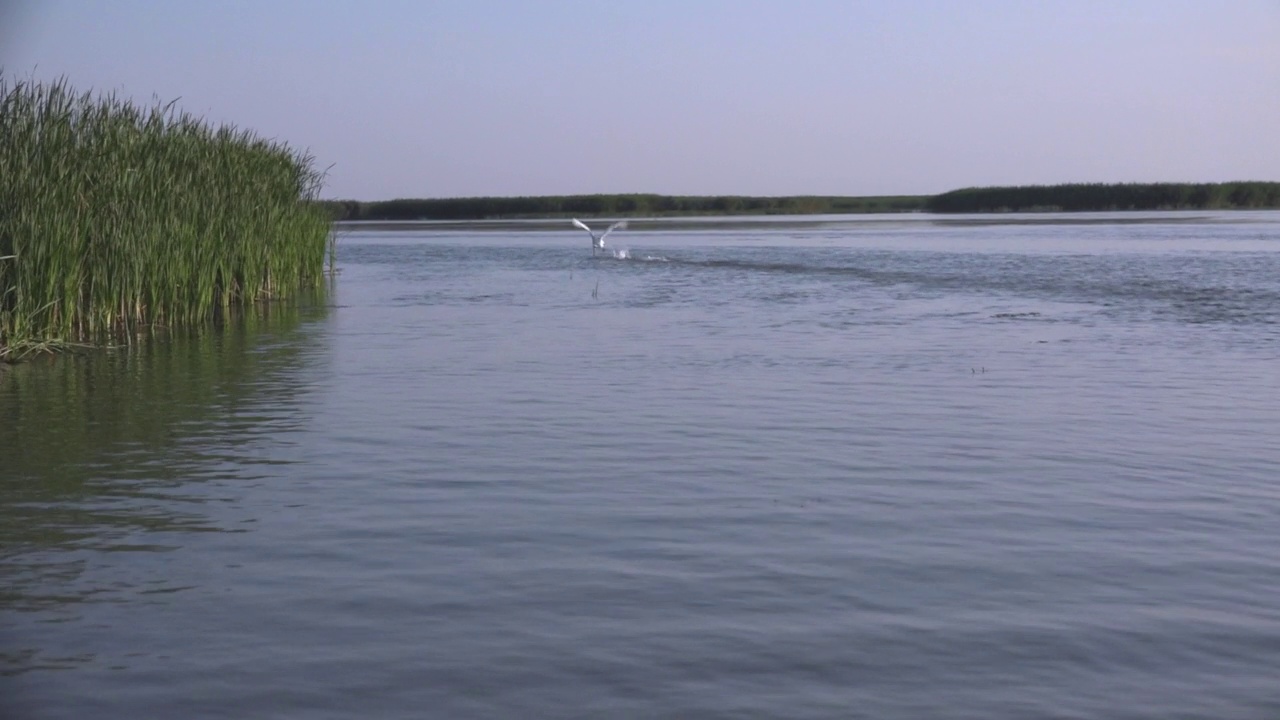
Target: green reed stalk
(116,217)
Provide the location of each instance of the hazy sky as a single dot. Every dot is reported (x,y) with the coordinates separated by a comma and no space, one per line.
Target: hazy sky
(481,97)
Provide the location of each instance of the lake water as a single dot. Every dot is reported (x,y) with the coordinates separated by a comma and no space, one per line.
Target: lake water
(892,467)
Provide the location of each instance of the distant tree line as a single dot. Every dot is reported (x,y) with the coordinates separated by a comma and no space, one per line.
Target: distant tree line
(1027,198)
(1103,197)
(648,205)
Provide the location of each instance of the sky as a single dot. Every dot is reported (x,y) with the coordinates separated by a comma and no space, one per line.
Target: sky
(445,98)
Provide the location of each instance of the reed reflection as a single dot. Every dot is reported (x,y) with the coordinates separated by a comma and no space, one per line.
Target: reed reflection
(134,449)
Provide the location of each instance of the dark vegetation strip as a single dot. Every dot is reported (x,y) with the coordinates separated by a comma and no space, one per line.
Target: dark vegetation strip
(1027,198)
(1100,197)
(115,217)
(629,205)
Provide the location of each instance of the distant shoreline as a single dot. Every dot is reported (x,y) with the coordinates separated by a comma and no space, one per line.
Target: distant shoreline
(1071,197)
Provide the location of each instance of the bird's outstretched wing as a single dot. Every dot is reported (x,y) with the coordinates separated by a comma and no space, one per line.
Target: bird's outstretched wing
(620,225)
(579,223)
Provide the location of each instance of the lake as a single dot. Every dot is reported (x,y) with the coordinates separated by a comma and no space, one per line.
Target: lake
(892,467)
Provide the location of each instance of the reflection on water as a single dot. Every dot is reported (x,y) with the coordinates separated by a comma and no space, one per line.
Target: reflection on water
(118,451)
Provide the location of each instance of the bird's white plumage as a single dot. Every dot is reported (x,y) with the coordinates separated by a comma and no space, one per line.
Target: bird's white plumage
(620,225)
(597,241)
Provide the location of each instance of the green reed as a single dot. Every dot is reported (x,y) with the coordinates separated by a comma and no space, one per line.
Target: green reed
(116,217)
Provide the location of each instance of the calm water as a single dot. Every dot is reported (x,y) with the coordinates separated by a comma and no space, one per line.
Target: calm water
(884,467)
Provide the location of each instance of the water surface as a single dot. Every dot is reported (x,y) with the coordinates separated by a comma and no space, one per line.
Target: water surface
(883,467)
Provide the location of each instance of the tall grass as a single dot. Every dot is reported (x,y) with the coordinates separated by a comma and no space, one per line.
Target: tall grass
(114,217)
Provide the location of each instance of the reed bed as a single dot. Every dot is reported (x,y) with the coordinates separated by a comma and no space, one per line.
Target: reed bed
(116,217)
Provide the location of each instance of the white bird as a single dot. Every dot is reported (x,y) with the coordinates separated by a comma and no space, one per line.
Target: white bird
(598,242)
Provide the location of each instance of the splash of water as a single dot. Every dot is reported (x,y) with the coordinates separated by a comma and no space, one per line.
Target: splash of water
(625,254)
